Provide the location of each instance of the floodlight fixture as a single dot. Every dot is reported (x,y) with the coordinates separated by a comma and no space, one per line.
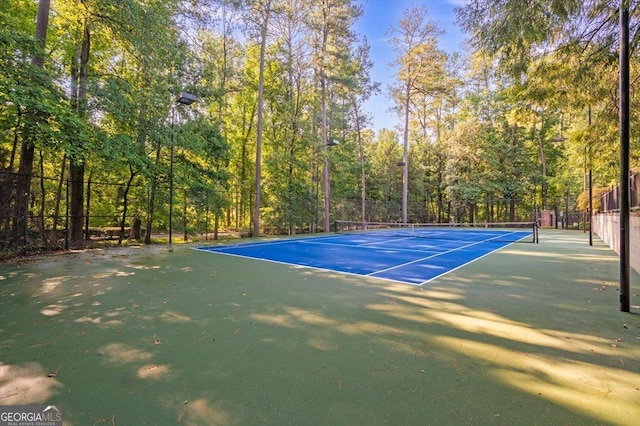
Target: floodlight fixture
(558,139)
(186,98)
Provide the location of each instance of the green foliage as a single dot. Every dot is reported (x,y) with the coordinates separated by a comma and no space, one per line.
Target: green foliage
(32,105)
(490,135)
(516,31)
(565,63)
(16,16)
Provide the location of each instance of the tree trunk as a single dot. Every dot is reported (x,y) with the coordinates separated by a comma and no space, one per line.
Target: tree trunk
(77,165)
(61,182)
(263,47)
(150,208)
(216,224)
(512,210)
(125,203)
(363,176)
(184,218)
(323,94)
(23,191)
(27,151)
(152,201)
(42,202)
(87,210)
(16,137)
(325,151)
(405,155)
(544,167)
(76,180)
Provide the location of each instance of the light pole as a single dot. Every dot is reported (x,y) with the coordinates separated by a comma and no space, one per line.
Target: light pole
(184,99)
(625,300)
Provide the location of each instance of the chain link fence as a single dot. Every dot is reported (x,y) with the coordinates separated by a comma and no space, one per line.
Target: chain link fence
(440,211)
(111,211)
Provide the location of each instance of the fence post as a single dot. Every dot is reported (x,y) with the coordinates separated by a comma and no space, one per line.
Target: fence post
(87,235)
(25,218)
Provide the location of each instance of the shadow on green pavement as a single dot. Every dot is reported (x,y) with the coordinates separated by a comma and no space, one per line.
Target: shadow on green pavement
(531,334)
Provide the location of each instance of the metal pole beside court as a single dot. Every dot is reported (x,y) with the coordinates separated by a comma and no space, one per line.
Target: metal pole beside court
(590,185)
(184,99)
(590,207)
(173,119)
(624,156)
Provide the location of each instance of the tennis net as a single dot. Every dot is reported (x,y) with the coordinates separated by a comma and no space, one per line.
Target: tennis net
(502,231)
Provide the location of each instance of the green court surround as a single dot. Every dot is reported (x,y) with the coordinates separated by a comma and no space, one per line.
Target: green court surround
(531,334)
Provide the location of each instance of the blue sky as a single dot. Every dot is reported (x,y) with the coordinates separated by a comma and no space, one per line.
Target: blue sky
(378,17)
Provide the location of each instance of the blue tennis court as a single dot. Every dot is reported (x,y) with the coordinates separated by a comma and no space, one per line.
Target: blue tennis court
(411,259)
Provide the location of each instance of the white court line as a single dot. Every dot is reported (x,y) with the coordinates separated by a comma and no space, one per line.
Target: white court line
(298,265)
(439,254)
(465,264)
(212,249)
